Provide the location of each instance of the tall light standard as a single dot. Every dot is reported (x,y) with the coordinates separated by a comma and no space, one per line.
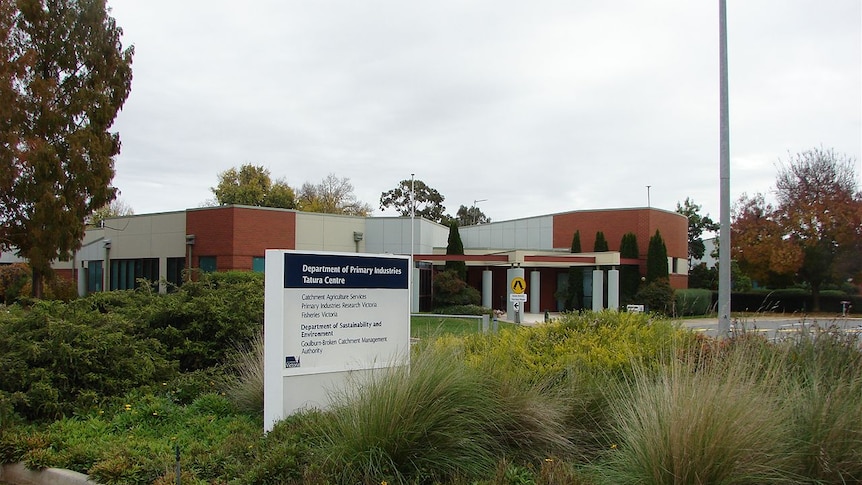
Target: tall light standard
(724,176)
(412,232)
(476,211)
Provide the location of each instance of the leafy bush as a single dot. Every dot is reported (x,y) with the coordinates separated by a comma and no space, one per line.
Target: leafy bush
(657,296)
(55,360)
(692,301)
(13,277)
(451,290)
(134,443)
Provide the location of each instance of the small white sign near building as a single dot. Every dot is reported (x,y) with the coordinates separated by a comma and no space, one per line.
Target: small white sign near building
(327,316)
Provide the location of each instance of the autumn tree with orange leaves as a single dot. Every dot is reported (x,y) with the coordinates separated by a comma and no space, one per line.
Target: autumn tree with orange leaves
(813,234)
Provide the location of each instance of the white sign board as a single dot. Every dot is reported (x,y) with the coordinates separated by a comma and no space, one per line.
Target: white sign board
(328,315)
(518,297)
(635,308)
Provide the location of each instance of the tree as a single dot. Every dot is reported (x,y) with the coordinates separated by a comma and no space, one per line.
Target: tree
(697,225)
(575,297)
(471,216)
(253,185)
(813,233)
(758,242)
(116,208)
(428,202)
(64,75)
(630,278)
(601,244)
(456,247)
(333,195)
(657,268)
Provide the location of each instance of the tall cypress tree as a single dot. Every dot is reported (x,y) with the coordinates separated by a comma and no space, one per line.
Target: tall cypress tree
(629,274)
(601,244)
(656,259)
(576,278)
(456,247)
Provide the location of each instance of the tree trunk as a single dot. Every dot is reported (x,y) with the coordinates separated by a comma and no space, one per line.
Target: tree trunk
(36,284)
(815,298)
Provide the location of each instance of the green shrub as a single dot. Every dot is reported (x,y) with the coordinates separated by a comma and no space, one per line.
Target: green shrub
(451,290)
(692,301)
(55,360)
(657,296)
(13,277)
(135,443)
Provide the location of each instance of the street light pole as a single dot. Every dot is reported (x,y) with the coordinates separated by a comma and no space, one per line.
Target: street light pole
(475,212)
(412,235)
(724,176)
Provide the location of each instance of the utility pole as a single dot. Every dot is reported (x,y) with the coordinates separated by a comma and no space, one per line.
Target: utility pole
(724,175)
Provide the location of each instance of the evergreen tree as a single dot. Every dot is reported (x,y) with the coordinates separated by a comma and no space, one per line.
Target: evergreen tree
(456,247)
(656,259)
(601,244)
(629,274)
(575,297)
(64,76)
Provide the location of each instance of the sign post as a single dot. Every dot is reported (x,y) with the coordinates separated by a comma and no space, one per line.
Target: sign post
(517,293)
(327,316)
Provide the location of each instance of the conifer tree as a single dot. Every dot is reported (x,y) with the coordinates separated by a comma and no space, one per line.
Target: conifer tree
(656,259)
(576,278)
(601,244)
(64,76)
(456,247)
(629,274)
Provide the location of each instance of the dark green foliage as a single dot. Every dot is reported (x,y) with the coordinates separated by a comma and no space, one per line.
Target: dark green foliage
(575,287)
(204,320)
(656,259)
(702,277)
(693,301)
(657,296)
(576,242)
(630,278)
(601,243)
(55,360)
(697,225)
(456,247)
(451,290)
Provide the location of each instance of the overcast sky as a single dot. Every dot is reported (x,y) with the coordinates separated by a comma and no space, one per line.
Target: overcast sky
(539,107)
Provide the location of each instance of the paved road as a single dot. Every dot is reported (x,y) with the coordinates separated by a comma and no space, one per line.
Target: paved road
(775,327)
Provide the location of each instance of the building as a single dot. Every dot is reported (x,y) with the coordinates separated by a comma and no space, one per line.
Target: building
(159,247)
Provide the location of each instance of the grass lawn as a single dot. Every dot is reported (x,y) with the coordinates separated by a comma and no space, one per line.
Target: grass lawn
(434,325)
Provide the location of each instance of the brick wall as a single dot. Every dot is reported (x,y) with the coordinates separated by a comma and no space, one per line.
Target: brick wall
(235,235)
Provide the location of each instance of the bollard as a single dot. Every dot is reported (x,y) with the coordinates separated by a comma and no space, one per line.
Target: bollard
(547,316)
(178,469)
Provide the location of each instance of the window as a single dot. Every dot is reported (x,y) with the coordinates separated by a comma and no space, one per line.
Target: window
(94,276)
(175,271)
(126,272)
(207,264)
(258,264)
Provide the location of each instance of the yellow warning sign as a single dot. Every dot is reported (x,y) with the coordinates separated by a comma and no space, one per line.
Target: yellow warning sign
(519,285)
